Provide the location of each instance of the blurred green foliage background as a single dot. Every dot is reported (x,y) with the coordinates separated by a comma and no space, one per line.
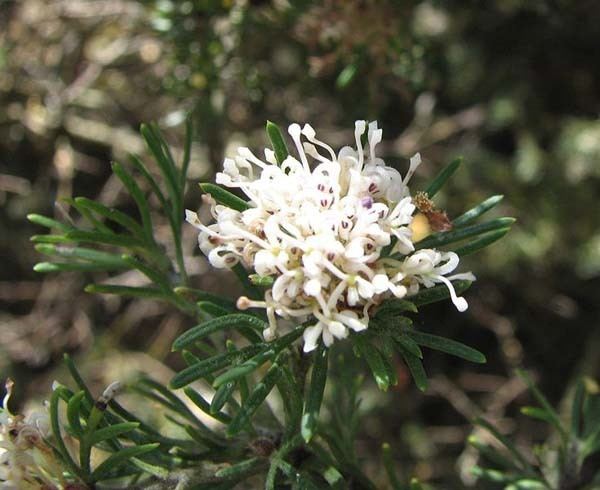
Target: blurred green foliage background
(513,85)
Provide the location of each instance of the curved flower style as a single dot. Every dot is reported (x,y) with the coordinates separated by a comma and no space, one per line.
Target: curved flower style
(319,230)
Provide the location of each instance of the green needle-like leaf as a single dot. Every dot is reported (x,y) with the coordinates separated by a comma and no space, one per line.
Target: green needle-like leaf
(443,176)
(506,443)
(224,197)
(112,432)
(553,417)
(48,222)
(242,469)
(477,211)
(255,399)
(165,162)
(222,395)
(395,306)
(375,361)
(138,196)
(416,368)
(409,344)
(274,348)
(73,410)
(483,241)
(135,292)
(212,364)
(187,151)
(445,238)
(56,432)
(50,267)
(94,256)
(203,405)
(446,345)
(107,467)
(277,141)
(229,321)
(195,295)
(106,238)
(111,214)
(314,396)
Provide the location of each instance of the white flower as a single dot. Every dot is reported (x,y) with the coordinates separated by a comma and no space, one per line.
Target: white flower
(318,224)
(26,460)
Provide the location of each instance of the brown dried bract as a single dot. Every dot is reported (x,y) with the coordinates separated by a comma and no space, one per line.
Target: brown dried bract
(438,219)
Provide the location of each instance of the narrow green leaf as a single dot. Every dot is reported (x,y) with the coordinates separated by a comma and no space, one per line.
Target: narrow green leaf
(155,276)
(106,238)
(195,295)
(536,413)
(203,405)
(554,418)
(38,219)
(346,75)
(493,475)
(98,224)
(277,141)
(178,405)
(290,394)
(212,309)
(241,469)
(441,178)
(395,306)
(409,344)
(274,348)
(506,443)
(255,399)
(152,469)
(492,454)
(138,196)
(448,346)
(224,197)
(111,214)
(77,377)
(48,267)
(437,293)
(139,165)
(444,238)
(51,239)
(204,329)
(390,467)
(73,410)
(212,364)
(314,396)
(159,150)
(222,395)
(375,361)
(416,368)
(477,211)
(107,467)
(483,241)
(112,432)
(82,253)
(58,439)
(187,151)
(135,292)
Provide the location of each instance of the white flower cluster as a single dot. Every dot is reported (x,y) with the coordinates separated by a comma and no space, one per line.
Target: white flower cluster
(318,230)
(26,461)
